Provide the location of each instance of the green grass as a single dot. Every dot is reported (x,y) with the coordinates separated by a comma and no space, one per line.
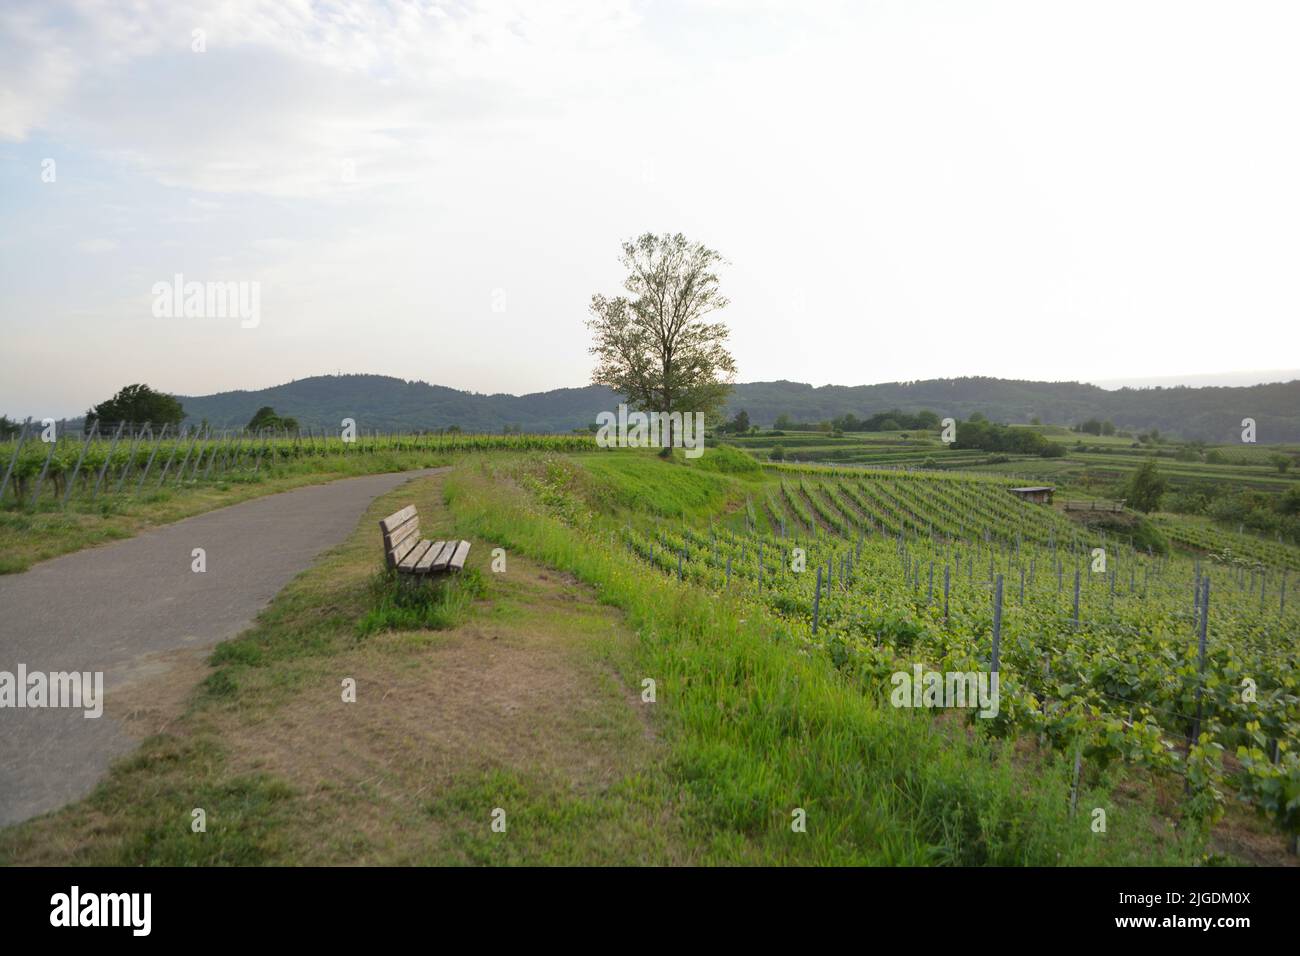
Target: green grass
(642,483)
(404,603)
(759,728)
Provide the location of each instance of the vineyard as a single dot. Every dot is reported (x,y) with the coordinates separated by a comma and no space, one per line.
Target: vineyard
(1185,666)
(1229,546)
(136,461)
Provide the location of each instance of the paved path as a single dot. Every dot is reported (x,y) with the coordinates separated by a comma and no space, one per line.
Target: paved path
(116,608)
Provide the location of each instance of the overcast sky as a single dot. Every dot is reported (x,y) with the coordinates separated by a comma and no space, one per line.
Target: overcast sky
(1096,191)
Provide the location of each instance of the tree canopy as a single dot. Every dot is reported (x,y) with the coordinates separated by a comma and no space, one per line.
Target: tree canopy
(137,404)
(1145,488)
(653,345)
(265,417)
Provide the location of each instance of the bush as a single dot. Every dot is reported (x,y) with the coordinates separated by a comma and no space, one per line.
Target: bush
(404,602)
(1146,487)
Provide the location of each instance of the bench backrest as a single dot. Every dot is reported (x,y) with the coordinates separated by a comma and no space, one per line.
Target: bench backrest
(401,533)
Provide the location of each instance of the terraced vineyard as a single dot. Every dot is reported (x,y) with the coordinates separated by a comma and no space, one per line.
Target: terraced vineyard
(1098,649)
(1227,546)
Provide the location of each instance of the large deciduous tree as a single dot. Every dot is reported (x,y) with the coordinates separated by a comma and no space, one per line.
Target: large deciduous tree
(137,404)
(653,345)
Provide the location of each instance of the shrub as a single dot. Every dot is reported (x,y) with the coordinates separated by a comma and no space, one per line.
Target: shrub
(404,602)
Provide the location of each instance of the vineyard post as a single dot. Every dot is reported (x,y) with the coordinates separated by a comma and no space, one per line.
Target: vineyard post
(13,459)
(237,449)
(180,472)
(997,625)
(1196,604)
(222,451)
(680,558)
(130,455)
(204,436)
(261,449)
(945,592)
(728,564)
(1074,786)
(1076,597)
(152,455)
(107,459)
(170,458)
(929,591)
(44,469)
(1282,605)
(817,599)
(229,436)
(67,492)
(1200,662)
(216,447)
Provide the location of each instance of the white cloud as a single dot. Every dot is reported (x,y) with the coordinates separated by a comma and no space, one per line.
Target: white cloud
(286,94)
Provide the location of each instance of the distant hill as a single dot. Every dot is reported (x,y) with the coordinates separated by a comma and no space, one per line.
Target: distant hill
(393,404)
(1212,414)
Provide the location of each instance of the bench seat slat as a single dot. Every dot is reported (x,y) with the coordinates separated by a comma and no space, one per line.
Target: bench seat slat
(457,561)
(408,563)
(427,559)
(440,562)
(399,553)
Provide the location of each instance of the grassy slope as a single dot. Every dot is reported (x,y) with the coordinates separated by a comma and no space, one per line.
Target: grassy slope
(759,728)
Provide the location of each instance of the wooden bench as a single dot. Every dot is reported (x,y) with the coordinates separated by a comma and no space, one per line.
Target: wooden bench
(407,553)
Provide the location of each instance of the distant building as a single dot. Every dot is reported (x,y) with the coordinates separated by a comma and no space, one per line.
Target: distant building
(1038,494)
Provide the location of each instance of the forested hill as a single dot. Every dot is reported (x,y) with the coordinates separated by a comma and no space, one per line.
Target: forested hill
(1210,413)
(378,401)
(394,404)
